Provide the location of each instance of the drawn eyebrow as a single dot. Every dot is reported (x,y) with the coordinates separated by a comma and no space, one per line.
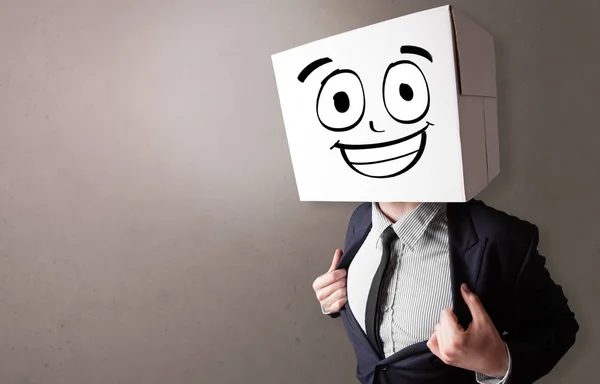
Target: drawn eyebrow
(416,51)
(311,67)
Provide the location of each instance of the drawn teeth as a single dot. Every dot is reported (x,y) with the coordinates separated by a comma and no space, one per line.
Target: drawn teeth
(384,159)
(386,168)
(390,153)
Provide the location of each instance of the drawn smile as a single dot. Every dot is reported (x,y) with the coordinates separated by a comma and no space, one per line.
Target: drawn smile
(387,159)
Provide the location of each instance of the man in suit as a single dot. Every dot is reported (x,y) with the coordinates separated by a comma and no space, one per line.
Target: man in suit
(405,110)
(446,293)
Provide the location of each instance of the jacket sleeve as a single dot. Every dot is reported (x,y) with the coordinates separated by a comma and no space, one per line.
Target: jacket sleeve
(544,327)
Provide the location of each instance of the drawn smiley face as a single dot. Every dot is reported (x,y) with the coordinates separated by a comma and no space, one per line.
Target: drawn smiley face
(341,106)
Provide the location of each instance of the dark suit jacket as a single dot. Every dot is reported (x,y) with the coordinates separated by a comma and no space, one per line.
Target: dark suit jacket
(496,255)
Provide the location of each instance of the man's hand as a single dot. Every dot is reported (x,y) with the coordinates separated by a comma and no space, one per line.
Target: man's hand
(331,287)
(480,348)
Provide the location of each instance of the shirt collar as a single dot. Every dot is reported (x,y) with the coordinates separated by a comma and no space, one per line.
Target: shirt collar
(410,227)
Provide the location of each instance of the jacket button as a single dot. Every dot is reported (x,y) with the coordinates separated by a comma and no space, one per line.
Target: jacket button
(384,367)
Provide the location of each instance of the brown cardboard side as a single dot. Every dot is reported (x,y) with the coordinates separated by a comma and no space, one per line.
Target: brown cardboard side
(476,59)
(473,143)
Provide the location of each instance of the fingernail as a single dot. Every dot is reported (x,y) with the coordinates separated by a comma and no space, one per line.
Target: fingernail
(465,288)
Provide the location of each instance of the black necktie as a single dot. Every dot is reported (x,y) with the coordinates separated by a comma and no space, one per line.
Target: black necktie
(372,320)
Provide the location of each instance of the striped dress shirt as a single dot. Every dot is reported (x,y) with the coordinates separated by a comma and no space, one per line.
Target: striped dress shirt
(416,286)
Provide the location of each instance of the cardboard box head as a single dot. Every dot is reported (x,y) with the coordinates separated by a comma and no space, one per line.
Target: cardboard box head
(403,110)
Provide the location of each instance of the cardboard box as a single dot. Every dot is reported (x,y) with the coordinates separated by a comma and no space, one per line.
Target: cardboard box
(403,110)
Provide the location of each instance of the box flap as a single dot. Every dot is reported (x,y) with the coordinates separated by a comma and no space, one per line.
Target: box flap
(491,137)
(473,142)
(476,59)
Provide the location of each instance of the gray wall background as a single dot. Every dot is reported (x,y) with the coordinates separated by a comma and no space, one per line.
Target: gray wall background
(150,230)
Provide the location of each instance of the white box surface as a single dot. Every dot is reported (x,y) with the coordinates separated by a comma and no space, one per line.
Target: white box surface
(403,110)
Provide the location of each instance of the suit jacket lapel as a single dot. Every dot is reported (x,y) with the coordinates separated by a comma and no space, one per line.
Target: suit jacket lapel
(361,226)
(466,253)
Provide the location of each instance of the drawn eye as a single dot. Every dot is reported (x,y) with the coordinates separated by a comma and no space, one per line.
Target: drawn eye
(405,92)
(341,101)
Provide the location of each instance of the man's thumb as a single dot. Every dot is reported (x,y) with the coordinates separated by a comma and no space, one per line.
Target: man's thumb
(474,304)
(336,259)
